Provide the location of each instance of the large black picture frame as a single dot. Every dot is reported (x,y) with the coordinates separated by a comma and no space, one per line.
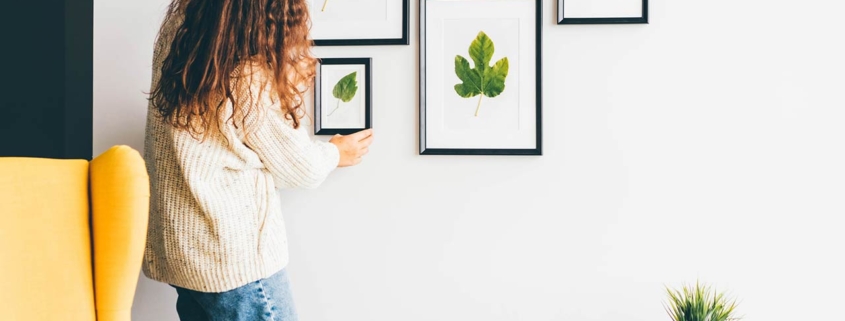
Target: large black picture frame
(561,20)
(536,151)
(318,104)
(404,40)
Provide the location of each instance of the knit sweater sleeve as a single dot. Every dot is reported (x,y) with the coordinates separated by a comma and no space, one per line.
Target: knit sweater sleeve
(289,154)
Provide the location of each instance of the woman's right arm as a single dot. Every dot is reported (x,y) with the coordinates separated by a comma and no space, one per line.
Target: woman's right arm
(290,155)
(294,160)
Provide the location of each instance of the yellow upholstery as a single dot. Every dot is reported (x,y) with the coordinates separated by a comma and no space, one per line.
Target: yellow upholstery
(46,267)
(45,248)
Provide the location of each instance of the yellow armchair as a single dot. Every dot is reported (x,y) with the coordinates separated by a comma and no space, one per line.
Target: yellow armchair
(50,212)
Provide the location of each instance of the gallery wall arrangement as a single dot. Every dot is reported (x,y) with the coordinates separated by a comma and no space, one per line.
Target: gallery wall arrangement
(342,103)
(480,67)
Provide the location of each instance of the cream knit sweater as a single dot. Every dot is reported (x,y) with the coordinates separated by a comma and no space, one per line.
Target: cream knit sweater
(215,218)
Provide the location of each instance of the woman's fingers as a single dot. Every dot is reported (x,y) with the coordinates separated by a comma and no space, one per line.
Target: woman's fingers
(361,135)
(366,142)
(353,146)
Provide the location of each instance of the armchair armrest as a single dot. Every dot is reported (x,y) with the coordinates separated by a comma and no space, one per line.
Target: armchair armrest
(120,211)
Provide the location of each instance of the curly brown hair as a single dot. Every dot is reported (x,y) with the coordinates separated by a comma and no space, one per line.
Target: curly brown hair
(214,42)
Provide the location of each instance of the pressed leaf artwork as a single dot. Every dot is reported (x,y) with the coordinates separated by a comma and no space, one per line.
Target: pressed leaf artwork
(483,80)
(345,89)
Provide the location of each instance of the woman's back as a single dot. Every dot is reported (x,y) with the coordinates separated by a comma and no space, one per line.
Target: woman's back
(221,188)
(222,136)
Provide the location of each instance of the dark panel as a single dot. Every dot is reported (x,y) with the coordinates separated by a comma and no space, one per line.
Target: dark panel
(79,78)
(33,50)
(34,107)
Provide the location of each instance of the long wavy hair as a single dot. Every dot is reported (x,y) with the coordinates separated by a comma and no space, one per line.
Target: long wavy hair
(214,42)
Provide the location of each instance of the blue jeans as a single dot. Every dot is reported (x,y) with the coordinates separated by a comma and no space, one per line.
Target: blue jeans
(263,300)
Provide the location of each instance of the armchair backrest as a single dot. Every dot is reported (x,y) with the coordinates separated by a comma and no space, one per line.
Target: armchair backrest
(47,270)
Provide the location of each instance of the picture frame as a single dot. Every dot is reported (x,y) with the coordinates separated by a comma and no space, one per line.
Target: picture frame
(602,11)
(346,94)
(360,23)
(454,119)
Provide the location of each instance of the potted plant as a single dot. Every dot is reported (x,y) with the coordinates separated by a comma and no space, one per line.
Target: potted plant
(700,303)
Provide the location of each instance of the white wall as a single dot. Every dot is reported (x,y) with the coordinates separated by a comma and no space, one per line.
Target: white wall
(708,144)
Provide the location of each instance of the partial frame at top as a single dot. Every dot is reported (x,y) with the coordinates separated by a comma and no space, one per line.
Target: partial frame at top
(591,12)
(360,23)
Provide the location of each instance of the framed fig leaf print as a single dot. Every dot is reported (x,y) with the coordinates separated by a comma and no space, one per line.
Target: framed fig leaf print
(480,83)
(342,103)
(359,22)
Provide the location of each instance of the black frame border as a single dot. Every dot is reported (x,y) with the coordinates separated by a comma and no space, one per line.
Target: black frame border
(561,20)
(537,151)
(405,40)
(368,107)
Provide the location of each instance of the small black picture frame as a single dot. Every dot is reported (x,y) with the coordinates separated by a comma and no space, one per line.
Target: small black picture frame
(323,125)
(562,20)
(364,41)
(536,149)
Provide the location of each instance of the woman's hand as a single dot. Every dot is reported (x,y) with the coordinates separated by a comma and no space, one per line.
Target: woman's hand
(353,147)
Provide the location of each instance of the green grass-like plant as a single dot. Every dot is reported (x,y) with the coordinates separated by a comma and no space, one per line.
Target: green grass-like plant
(700,303)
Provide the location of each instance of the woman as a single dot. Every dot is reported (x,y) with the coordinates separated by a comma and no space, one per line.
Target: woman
(223,133)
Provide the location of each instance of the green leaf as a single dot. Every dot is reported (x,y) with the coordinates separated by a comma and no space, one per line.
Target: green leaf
(471,85)
(483,79)
(495,78)
(346,88)
(481,50)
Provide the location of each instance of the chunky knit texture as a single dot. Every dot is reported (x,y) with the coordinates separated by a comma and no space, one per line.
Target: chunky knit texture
(215,218)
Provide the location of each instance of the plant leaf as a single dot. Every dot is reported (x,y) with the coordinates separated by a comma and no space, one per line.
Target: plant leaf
(471,85)
(481,51)
(495,78)
(346,87)
(483,79)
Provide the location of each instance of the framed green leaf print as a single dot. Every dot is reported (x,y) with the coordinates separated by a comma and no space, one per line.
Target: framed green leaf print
(480,82)
(342,103)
